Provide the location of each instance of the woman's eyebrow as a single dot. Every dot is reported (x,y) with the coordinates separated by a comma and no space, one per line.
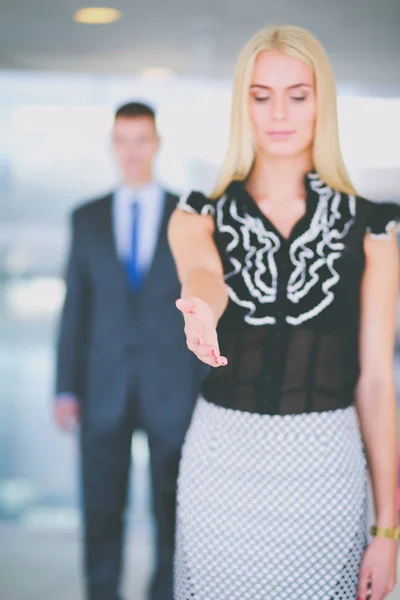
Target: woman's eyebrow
(290,87)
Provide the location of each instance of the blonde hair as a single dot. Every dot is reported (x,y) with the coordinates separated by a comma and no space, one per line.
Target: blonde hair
(327,156)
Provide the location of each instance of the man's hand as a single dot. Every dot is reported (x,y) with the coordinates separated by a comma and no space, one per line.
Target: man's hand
(67,412)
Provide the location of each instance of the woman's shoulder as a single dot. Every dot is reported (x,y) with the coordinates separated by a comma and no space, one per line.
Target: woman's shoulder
(380,218)
(196,202)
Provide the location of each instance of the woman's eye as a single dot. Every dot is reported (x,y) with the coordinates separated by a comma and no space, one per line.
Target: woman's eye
(261,98)
(299,98)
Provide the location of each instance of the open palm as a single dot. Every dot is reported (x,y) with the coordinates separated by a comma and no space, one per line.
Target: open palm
(200,330)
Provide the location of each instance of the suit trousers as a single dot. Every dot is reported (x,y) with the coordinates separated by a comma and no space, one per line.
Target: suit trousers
(105,467)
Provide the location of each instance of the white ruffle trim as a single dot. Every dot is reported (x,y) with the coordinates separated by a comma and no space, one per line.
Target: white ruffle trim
(386,234)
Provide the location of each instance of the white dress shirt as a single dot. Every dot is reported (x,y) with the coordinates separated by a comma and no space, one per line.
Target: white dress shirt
(151,198)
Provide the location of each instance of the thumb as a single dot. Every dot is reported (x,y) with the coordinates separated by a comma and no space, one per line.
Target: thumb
(364,578)
(186,305)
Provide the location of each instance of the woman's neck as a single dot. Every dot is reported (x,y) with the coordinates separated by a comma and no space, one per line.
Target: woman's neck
(278,179)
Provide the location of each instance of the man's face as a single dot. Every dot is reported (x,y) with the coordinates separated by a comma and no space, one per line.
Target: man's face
(135,142)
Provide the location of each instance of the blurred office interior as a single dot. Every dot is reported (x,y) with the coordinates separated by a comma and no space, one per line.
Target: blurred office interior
(60,81)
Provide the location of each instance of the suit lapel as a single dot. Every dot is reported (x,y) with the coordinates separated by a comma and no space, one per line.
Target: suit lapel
(105,224)
(162,246)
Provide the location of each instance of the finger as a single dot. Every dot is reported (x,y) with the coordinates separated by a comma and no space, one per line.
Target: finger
(61,417)
(203,351)
(364,578)
(375,594)
(378,590)
(208,361)
(213,352)
(69,418)
(379,587)
(207,356)
(221,361)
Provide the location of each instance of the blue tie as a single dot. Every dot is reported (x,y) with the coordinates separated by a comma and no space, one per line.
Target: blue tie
(132,264)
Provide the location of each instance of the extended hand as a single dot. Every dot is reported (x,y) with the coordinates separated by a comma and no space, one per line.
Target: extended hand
(200,330)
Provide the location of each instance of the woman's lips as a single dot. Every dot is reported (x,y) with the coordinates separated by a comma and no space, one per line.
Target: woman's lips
(280,135)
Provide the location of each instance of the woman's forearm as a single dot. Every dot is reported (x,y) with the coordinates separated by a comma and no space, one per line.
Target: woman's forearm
(207,286)
(377,410)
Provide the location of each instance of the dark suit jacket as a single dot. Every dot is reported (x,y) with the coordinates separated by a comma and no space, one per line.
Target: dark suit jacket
(110,336)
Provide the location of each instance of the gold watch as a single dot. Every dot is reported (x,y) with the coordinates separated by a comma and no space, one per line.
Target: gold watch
(391,533)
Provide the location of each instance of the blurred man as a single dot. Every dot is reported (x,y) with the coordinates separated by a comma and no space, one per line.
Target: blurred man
(122,358)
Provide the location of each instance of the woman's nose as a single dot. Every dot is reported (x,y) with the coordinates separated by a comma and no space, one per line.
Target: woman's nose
(279,109)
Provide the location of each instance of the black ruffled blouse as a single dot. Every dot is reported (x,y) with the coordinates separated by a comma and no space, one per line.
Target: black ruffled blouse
(291,327)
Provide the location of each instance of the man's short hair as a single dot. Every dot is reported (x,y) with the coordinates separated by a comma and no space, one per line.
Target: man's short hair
(132,110)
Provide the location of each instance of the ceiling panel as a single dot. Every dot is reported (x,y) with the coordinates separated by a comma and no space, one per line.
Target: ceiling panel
(202,37)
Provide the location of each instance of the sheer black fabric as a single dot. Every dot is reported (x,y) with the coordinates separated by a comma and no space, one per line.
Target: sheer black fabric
(291,328)
(283,370)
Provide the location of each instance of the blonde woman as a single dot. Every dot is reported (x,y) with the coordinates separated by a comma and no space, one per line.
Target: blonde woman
(289,284)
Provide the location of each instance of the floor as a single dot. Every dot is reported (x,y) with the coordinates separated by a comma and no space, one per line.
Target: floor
(44,565)
(39,544)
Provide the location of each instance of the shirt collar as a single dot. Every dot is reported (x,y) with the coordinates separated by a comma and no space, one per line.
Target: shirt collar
(151,192)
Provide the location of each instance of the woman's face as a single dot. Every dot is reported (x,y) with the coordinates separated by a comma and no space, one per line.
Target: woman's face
(282,105)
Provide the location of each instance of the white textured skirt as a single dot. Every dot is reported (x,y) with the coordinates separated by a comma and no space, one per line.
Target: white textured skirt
(270,507)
